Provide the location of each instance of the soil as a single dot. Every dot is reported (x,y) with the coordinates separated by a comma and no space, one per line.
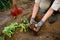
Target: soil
(47,32)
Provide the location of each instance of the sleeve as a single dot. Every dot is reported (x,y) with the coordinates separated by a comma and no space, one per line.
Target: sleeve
(37,1)
(56,5)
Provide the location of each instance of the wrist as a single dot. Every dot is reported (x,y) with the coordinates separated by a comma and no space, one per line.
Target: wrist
(40,23)
(32,18)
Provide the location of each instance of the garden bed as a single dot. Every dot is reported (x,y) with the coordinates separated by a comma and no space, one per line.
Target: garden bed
(48,31)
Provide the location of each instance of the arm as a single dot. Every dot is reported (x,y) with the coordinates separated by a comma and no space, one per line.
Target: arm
(35,10)
(55,6)
(48,14)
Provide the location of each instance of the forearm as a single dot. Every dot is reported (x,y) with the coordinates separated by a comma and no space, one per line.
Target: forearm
(35,10)
(48,14)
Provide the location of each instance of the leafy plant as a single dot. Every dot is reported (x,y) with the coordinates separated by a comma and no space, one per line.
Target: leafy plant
(9,30)
(24,20)
(24,25)
(5,4)
(1,38)
(13,26)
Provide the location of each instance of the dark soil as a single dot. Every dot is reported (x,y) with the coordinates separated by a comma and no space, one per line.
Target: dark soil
(47,32)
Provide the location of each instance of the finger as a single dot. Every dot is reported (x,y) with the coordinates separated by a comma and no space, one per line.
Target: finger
(36,25)
(34,28)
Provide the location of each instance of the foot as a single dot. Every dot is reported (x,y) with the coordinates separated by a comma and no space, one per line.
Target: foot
(52,19)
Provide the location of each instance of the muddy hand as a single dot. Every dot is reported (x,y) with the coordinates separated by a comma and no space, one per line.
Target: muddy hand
(38,26)
(32,20)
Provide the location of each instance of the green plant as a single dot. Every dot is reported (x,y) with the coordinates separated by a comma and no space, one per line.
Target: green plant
(13,26)
(9,30)
(5,4)
(24,25)
(24,20)
(2,38)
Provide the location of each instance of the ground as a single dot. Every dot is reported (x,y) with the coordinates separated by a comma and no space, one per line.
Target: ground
(48,31)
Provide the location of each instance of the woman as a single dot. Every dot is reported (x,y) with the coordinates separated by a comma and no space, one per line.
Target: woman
(54,7)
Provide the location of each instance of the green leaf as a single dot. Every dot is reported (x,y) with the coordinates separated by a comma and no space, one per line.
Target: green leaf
(1,38)
(9,29)
(23,27)
(8,32)
(24,20)
(21,30)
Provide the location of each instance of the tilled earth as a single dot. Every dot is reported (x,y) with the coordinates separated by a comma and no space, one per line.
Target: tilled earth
(47,32)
